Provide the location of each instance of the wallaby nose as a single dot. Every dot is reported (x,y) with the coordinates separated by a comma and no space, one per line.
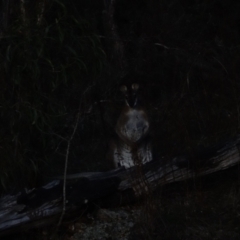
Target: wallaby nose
(132,102)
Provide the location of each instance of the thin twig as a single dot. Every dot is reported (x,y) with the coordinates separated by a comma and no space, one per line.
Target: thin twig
(23,11)
(66,164)
(40,15)
(65,169)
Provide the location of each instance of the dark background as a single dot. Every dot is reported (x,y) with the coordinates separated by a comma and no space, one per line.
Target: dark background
(62,64)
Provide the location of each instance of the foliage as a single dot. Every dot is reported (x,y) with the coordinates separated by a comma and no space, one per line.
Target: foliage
(47,70)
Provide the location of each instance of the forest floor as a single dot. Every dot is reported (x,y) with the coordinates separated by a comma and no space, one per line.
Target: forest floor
(204,208)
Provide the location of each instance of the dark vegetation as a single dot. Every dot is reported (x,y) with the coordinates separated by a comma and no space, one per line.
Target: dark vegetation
(60,71)
(206,208)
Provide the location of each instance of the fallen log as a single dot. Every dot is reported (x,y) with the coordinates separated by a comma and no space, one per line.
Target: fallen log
(42,206)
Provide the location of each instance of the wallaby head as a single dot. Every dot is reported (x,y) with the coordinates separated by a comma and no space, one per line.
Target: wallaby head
(130,94)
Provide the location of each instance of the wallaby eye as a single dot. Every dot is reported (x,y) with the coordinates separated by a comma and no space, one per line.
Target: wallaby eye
(123,89)
(135,86)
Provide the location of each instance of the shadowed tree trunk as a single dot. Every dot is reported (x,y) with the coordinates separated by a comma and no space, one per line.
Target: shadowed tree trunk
(115,46)
(5,14)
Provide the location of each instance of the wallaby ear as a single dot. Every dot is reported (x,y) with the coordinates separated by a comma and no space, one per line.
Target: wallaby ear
(123,88)
(135,86)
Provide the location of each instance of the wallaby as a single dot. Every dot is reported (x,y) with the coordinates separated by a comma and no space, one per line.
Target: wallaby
(131,146)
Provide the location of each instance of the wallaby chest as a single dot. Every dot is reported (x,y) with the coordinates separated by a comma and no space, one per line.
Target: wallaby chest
(132,125)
